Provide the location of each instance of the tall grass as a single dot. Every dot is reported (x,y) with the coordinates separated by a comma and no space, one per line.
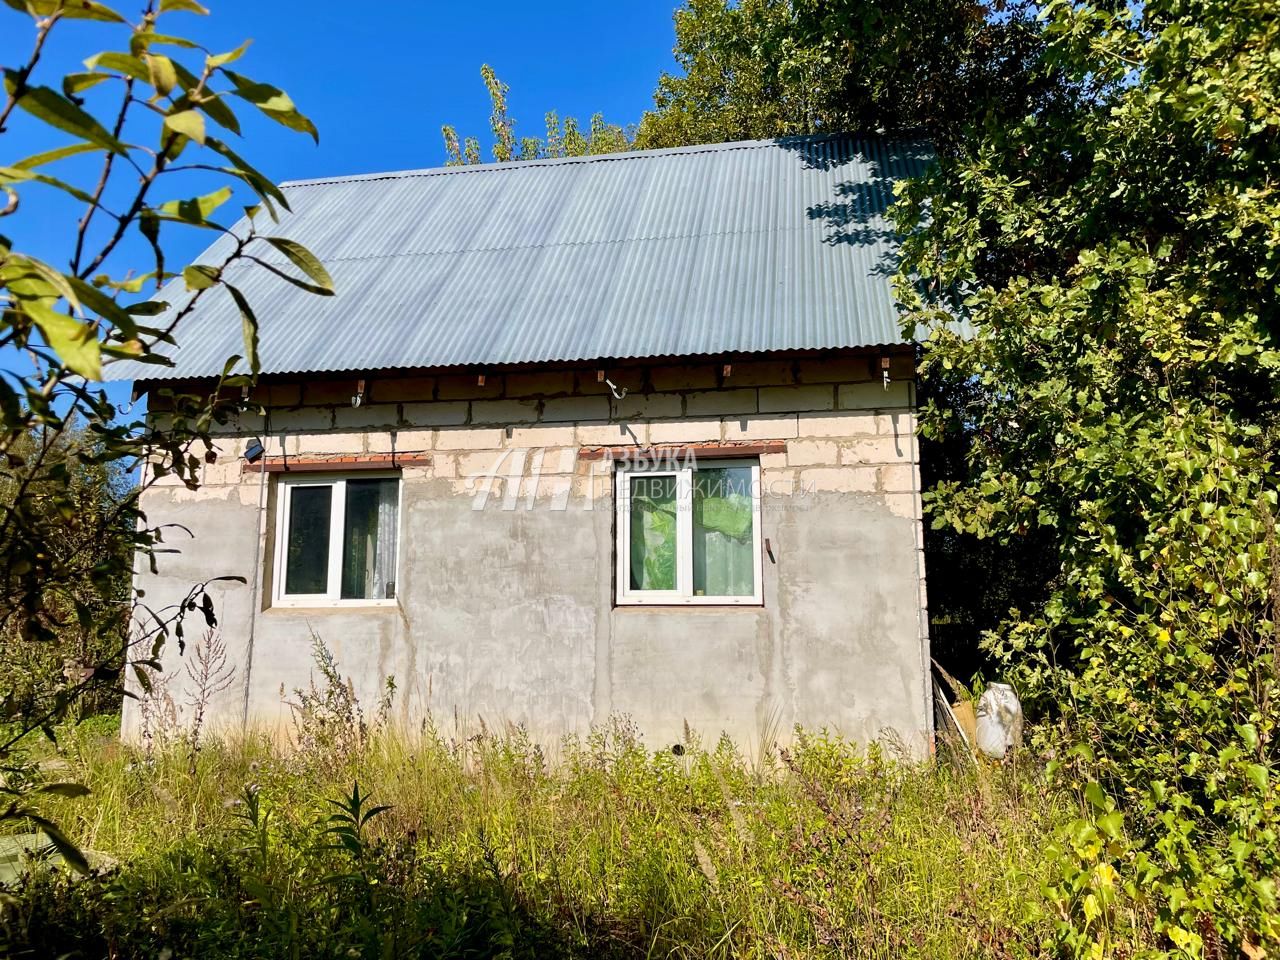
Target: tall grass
(487,849)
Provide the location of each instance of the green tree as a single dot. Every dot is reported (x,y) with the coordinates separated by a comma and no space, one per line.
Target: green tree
(769,68)
(563,138)
(176,101)
(85,611)
(1115,263)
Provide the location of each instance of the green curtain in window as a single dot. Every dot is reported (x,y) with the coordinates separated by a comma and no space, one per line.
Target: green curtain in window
(723,540)
(653,533)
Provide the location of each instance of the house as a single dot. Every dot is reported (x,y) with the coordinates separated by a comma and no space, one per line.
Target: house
(616,435)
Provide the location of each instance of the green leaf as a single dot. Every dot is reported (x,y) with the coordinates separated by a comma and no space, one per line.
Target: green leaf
(249,327)
(163,76)
(74,83)
(197,209)
(75,343)
(221,59)
(1112,824)
(198,276)
(273,102)
(76,10)
(105,307)
(14,175)
(125,63)
(211,103)
(304,260)
(261,185)
(59,112)
(189,123)
(1094,793)
(188,6)
(139,43)
(69,852)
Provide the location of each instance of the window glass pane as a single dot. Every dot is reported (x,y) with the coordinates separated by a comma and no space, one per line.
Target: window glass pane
(307,547)
(723,543)
(369,540)
(653,532)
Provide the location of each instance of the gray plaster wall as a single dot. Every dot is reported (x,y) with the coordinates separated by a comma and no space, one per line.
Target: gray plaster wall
(505,613)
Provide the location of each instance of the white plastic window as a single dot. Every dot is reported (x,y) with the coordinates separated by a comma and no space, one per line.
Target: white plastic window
(689,534)
(337,539)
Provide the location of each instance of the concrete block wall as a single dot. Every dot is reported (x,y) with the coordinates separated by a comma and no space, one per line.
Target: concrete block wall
(506,583)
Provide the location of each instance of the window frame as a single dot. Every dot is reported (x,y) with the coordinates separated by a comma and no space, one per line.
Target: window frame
(683,595)
(336,480)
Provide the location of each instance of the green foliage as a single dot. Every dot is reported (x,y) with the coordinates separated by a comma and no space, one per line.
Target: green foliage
(766,68)
(69,526)
(563,139)
(1117,261)
(475,845)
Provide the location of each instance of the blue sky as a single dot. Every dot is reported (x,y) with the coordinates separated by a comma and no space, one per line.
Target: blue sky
(378,85)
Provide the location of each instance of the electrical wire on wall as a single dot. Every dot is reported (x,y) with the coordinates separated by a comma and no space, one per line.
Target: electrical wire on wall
(254,588)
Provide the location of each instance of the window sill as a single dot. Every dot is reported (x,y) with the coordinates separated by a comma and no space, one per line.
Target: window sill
(331,606)
(702,607)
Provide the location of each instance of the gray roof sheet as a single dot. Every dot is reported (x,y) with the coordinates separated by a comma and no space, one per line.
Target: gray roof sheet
(731,248)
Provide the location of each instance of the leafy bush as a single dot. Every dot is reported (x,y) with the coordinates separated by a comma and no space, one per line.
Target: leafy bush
(1117,262)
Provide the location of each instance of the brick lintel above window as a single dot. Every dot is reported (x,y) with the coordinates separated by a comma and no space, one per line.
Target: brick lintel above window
(314,463)
(750,448)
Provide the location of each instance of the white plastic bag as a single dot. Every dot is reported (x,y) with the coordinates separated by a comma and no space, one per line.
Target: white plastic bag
(999,720)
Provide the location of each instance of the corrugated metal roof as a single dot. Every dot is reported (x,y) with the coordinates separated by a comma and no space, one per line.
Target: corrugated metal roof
(731,248)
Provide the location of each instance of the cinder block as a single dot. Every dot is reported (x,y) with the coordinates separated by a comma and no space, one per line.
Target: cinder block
(838,480)
(812,452)
(761,373)
(838,369)
(684,431)
(437,414)
(320,393)
(469,438)
(541,435)
(277,394)
(692,377)
(770,426)
(504,411)
(550,460)
(318,443)
(772,461)
(543,384)
(575,408)
(304,420)
(783,399)
(444,465)
(838,424)
(882,449)
(398,441)
(402,390)
(900,424)
(611,434)
(708,403)
(648,406)
(467,387)
(370,415)
(632,378)
(873,395)
(499,463)
(897,478)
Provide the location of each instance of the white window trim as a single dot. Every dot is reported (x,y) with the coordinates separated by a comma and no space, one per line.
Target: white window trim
(683,594)
(338,481)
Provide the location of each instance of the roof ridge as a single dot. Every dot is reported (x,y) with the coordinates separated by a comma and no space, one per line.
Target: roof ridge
(590,158)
